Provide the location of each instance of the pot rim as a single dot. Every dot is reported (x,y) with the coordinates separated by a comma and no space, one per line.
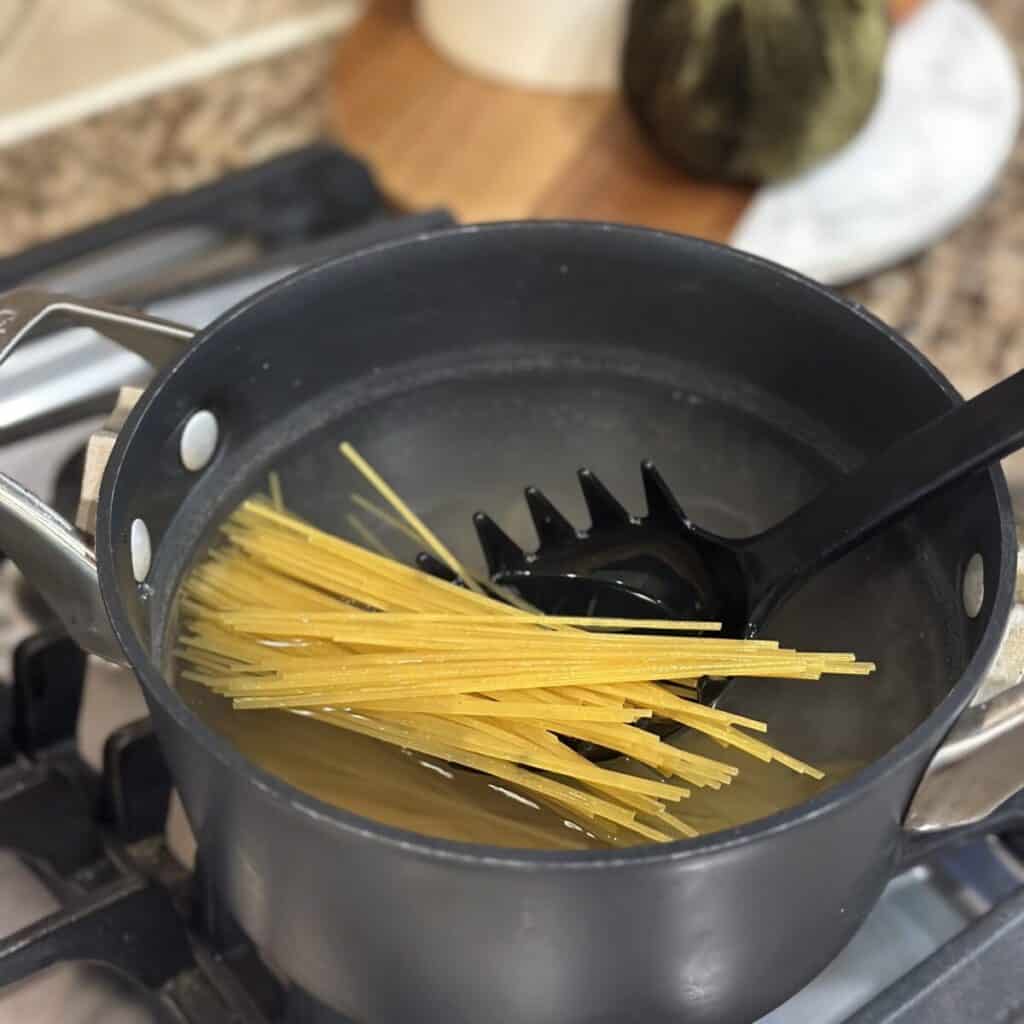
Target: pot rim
(330,817)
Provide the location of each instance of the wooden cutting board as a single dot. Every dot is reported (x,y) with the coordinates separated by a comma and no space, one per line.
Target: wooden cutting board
(436,136)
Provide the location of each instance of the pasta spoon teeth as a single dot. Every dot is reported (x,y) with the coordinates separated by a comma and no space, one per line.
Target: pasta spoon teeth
(620,566)
(501,553)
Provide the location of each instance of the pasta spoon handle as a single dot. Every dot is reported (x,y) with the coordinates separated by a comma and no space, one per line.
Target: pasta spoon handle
(926,462)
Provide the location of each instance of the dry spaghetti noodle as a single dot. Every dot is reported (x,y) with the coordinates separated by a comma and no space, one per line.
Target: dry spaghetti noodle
(284,615)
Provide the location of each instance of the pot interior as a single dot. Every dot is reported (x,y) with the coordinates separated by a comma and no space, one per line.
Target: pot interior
(469,366)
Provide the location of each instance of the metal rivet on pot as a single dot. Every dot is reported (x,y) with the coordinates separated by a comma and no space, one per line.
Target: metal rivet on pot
(141,549)
(199,440)
(974,586)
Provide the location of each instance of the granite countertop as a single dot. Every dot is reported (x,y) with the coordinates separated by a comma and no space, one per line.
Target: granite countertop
(962,302)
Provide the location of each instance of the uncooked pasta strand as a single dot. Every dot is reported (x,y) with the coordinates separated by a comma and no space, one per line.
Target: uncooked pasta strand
(286,616)
(415,523)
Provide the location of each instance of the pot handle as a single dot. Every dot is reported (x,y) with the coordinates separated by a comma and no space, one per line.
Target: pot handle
(916,846)
(44,545)
(21,311)
(975,780)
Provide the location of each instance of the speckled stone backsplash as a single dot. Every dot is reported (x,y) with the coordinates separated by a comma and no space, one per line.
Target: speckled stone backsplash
(962,302)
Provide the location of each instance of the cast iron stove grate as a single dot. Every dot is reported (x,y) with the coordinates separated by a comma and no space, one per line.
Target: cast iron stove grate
(97,842)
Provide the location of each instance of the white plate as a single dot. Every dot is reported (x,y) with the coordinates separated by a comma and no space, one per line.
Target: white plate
(944,127)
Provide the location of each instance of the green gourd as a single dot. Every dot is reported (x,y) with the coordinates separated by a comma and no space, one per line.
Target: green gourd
(753,90)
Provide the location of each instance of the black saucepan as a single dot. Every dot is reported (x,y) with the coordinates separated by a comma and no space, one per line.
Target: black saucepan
(465,364)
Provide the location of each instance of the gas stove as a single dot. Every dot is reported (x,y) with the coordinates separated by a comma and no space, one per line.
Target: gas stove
(106,913)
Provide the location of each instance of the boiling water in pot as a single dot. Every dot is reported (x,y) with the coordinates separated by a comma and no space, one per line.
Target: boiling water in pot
(471,440)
